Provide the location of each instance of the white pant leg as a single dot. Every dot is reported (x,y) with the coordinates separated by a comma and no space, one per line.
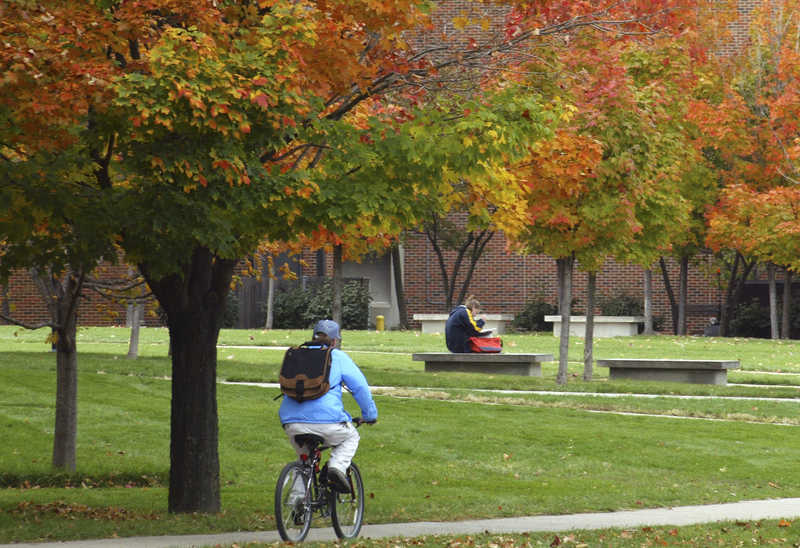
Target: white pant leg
(342,437)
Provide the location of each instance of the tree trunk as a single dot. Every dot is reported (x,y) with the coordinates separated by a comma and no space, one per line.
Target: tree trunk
(194,301)
(399,288)
(734,291)
(474,243)
(61,295)
(478,246)
(270,296)
(786,315)
(773,302)
(683,295)
(648,302)
(65,438)
(588,342)
(137,311)
(565,294)
(726,311)
(673,305)
(338,283)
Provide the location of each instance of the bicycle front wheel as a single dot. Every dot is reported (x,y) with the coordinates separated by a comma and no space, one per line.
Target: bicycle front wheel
(347,509)
(292,503)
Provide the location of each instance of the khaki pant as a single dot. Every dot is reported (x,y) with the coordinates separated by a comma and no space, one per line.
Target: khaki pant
(341,437)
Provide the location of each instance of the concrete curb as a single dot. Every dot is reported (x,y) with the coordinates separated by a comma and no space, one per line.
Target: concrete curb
(684,515)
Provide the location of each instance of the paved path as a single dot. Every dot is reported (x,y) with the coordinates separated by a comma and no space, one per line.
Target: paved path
(685,515)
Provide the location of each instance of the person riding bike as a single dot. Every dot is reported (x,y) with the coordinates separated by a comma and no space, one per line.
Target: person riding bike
(326,416)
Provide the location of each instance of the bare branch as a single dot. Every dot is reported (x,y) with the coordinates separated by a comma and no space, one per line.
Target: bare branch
(25,325)
(118,286)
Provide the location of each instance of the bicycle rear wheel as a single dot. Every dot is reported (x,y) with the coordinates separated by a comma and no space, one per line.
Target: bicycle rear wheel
(347,509)
(292,503)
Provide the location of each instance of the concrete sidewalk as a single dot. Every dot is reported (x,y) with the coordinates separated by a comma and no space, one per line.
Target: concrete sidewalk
(685,515)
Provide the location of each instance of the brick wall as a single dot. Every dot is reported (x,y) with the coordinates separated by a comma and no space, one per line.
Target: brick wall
(504,282)
(21,300)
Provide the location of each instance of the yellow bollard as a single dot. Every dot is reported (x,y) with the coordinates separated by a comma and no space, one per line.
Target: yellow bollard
(379,323)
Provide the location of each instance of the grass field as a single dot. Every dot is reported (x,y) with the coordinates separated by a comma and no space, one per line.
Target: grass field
(446,446)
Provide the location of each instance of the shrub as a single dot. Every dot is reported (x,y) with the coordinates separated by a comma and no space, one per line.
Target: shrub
(621,305)
(298,308)
(230,317)
(531,318)
(750,320)
(288,308)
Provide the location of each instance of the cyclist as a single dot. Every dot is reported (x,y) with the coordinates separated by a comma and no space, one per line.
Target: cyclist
(326,416)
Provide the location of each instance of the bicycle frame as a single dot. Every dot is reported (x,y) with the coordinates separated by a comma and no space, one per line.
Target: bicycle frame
(346,509)
(317,494)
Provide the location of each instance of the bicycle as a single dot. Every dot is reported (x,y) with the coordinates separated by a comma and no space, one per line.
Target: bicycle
(294,511)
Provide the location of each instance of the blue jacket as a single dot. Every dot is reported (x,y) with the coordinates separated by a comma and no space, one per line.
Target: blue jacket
(460,326)
(329,408)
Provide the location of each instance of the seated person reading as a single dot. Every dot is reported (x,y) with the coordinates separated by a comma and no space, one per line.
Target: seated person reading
(461,325)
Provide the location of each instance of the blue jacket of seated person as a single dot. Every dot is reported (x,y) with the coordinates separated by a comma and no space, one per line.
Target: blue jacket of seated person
(329,408)
(460,326)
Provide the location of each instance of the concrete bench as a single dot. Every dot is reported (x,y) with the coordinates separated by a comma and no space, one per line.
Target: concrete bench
(691,371)
(434,323)
(528,365)
(604,326)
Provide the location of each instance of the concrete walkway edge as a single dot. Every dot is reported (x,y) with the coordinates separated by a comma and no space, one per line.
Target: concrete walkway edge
(683,515)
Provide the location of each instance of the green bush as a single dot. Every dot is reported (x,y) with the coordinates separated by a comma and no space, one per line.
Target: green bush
(230,317)
(531,318)
(289,307)
(751,320)
(299,308)
(626,305)
(620,305)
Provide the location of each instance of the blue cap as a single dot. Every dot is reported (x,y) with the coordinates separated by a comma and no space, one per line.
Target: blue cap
(329,328)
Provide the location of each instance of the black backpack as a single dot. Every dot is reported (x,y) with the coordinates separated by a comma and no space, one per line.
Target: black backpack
(305,373)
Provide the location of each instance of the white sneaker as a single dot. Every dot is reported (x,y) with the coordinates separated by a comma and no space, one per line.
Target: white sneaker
(338,480)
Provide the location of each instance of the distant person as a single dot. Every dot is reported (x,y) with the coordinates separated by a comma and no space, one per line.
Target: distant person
(461,325)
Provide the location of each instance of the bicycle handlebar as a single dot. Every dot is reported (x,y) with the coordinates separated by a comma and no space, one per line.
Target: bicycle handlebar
(358,421)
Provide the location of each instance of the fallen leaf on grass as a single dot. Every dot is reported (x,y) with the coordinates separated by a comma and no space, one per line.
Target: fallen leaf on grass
(29,510)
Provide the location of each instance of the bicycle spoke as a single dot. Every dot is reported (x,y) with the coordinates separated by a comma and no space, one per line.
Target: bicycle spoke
(292,507)
(348,508)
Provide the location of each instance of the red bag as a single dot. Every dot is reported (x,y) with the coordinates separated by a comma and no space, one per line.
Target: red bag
(486,344)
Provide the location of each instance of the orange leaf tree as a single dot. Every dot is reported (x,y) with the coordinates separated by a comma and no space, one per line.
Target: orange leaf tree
(609,184)
(751,131)
(200,128)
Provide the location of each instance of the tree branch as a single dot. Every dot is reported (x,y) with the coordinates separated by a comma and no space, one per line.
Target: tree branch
(30,326)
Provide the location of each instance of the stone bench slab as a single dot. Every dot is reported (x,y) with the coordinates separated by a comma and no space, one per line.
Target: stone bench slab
(604,326)
(434,323)
(671,370)
(528,365)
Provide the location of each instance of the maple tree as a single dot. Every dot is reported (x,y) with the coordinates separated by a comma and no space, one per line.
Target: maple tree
(612,181)
(753,136)
(200,128)
(57,238)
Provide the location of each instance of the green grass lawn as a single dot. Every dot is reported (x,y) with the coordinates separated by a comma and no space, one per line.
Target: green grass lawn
(440,451)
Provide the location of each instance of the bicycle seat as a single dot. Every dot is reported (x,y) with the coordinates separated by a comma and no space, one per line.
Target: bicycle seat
(309,440)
